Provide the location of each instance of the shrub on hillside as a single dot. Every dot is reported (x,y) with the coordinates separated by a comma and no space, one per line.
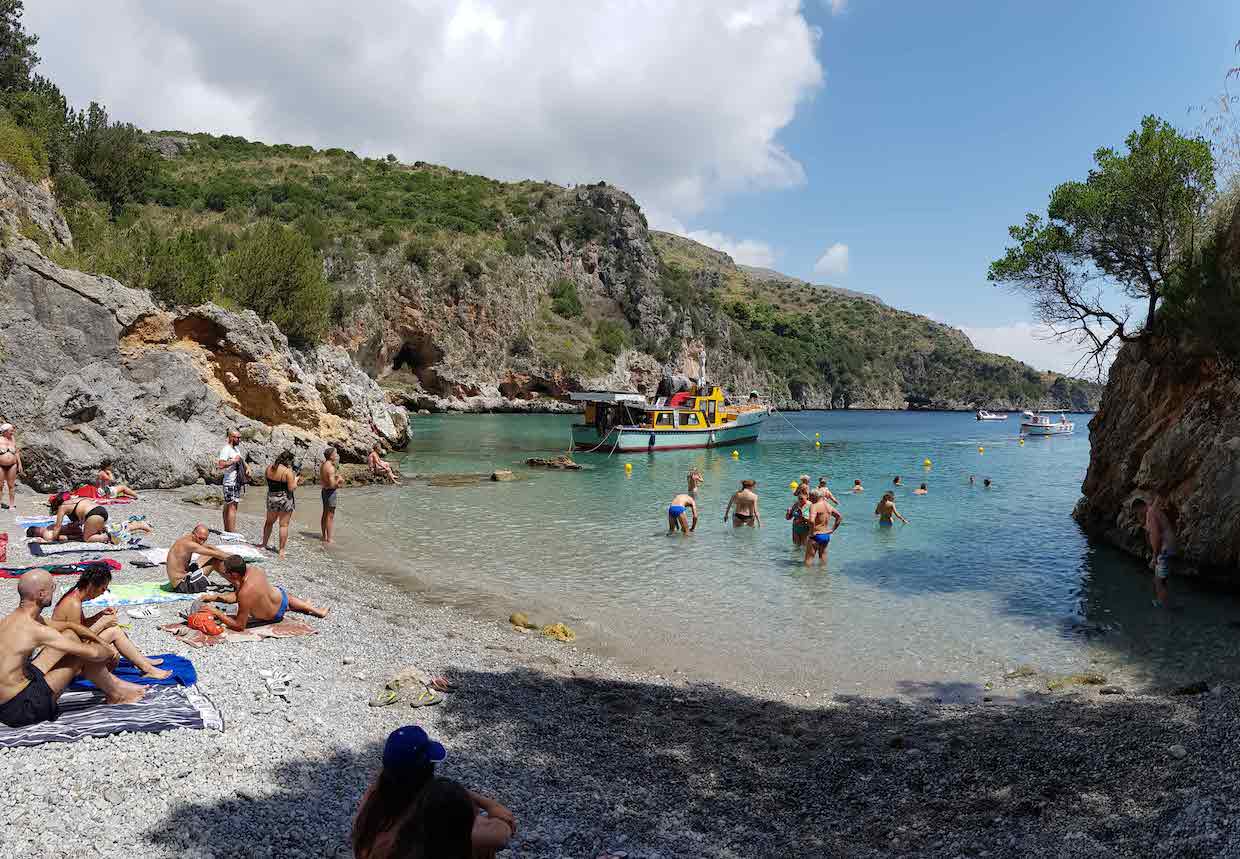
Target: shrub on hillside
(275,272)
(114,159)
(612,336)
(22,149)
(564,298)
(182,270)
(472,268)
(417,252)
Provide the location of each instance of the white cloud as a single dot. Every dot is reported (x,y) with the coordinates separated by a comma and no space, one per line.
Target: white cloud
(834,260)
(1029,342)
(646,94)
(744,251)
(838,7)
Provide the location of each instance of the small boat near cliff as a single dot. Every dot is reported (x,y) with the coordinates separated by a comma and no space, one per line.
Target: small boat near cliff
(1038,423)
(983,415)
(698,417)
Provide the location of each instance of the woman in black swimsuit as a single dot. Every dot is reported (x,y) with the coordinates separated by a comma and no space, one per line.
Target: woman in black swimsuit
(10,465)
(82,511)
(281,483)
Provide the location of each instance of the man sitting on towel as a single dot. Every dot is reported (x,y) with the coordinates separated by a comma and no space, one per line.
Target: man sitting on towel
(185,576)
(258,600)
(30,685)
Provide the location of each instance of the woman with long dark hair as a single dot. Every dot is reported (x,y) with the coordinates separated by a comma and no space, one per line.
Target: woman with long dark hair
(281,483)
(399,813)
(90,585)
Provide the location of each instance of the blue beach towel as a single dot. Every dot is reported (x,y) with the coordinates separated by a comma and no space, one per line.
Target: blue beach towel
(183,673)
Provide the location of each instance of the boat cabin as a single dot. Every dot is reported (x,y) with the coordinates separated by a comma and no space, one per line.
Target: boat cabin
(686,410)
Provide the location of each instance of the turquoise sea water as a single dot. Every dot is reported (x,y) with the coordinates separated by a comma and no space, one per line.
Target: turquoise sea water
(979,581)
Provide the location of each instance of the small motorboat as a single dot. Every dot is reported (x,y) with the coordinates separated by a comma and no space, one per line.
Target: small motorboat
(699,417)
(983,415)
(1040,423)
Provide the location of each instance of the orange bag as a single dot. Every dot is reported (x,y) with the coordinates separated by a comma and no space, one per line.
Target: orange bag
(204,621)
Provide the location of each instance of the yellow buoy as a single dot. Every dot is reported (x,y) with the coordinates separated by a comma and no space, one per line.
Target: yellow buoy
(981,449)
(628,467)
(736,454)
(926,462)
(1022,442)
(817,435)
(817,444)
(793,486)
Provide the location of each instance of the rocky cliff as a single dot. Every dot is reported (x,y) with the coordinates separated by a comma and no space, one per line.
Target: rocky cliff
(1169,427)
(95,370)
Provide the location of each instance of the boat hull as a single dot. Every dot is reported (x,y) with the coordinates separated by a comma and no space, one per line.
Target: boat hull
(633,439)
(1053,429)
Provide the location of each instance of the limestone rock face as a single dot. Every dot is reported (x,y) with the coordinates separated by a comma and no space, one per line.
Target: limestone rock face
(94,370)
(1169,425)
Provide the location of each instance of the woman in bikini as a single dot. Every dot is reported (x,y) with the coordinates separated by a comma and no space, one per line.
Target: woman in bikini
(10,465)
(90,585)
(106,485)
(281,483)
(84,512)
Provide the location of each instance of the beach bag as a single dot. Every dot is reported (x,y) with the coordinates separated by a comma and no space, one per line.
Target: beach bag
(204,621)
(4,547)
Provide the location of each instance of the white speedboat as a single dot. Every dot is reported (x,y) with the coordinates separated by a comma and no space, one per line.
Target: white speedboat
(1041,423)
(983,415)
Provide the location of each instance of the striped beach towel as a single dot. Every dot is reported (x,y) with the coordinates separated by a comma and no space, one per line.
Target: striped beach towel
(40,550)
(73,569)
(243,550)
(86,714)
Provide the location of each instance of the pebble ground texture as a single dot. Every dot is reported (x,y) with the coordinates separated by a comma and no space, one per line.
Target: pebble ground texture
(599,760)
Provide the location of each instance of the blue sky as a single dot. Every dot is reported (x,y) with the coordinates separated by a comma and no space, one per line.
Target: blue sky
(940,124)
(905,135)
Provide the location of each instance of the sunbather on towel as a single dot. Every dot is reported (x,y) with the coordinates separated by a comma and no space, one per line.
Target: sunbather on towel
(30,685)
(258,600)
(191,578)
(83,512)
(90,585)
(69,531)
(106,485)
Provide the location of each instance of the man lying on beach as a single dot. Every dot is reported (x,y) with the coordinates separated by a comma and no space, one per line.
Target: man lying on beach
(90,585)
(743,506)
(258,600)
(30,685)
(820,515)
(678,514)
(185,576)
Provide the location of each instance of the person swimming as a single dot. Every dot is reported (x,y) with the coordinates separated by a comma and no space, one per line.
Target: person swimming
(897,482)
(886,510)
(921,490)
(986,483)
(857,487)
(678,514)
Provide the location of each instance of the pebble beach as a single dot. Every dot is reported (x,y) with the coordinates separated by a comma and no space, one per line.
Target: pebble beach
(598,759)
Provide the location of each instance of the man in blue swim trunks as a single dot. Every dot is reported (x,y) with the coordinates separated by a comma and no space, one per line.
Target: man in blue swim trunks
(258,600)
(821,514)
(678,514)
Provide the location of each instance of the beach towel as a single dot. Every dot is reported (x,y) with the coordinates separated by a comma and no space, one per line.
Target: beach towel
(86,714)
(141,593)
(92,493)
(249,553)
(24,522)
(40,550)
(196,638)
(74,569)
(183,673)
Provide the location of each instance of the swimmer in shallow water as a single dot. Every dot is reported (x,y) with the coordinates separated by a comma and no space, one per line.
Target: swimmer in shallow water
(921,490)
(678,514)
(825,492)
(986,484)
(799,514)
(897,482)
(886,510)
(857,487)
(694,479)
(743,506)
(820,515)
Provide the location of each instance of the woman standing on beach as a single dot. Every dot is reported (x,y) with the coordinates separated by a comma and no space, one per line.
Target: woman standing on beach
(10,465)
(407,805)
(281,484)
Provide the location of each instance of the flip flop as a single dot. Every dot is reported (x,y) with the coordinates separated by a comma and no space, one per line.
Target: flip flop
(425,698)
(385,698)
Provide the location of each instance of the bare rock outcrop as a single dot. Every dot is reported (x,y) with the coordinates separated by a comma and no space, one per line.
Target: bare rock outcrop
(95,370)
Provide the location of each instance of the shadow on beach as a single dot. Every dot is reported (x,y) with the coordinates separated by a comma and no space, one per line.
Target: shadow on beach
(592,765)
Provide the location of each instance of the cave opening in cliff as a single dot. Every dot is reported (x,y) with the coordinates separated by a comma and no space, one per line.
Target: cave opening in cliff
(418,355)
